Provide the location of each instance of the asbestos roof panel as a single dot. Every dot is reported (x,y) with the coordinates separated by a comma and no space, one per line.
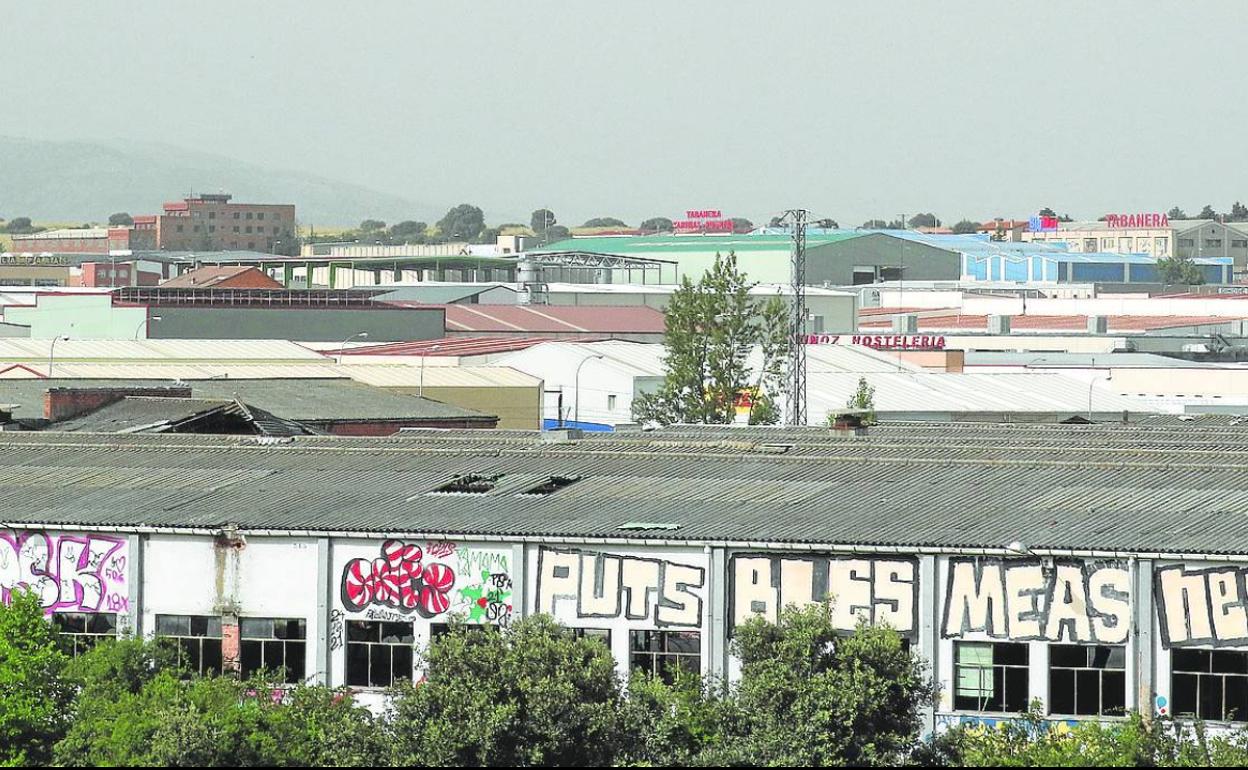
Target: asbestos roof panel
(1104,487)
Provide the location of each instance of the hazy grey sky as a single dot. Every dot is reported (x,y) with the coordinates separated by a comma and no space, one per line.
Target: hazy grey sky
(636,109)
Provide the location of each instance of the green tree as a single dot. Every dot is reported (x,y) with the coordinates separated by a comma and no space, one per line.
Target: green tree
(530,694)
(120,219)
(774,329)
(1047,212)
(874,224)
(739,225)
(809,696)
(21,226)
(680,724)
(35,695)
(462,223)
(372,225)
(542,219)
(827,223)
(656,225)
(710,329)
(1179,270)
(1176,213)
(556,233)
(924,220)
(604,222)
(408,231)
(1239,212)
(1207,213)
(966,226)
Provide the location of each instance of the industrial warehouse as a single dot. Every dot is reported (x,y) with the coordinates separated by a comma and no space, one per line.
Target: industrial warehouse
(1096,568)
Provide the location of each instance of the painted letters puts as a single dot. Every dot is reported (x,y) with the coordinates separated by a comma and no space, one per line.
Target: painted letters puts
(436,579)
(70,573)
(605,585)
(1202,606)
(1023,599)
(879,590)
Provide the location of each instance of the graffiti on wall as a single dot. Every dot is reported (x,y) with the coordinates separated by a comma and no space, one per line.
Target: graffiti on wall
(1202,606)
(1026,599)
(606,585)
(69,573)
(879,590)
(437,579)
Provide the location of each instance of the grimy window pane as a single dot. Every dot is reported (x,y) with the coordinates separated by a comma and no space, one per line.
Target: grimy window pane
(296,662)
(357,665)
(1061,691)
(1015,689)
(251,658)
(1088,692)
(379,664)
(1183,689)
(1114,692)
(1211,688)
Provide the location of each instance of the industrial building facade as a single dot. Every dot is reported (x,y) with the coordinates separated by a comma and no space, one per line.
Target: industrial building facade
(1095,568)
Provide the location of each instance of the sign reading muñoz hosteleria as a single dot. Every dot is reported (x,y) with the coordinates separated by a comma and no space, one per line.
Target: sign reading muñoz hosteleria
(1137,220)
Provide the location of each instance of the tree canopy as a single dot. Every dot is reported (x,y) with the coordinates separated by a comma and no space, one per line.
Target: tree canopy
(462,223)
(20,226)
(541,219)
(656,225)
(966,226)
(604,222)
(710,329)
(1207,213)
(120,219)
(924,220)
(1179,270)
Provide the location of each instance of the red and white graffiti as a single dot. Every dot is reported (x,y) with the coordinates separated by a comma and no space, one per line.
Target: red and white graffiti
(398,579)
(69,573)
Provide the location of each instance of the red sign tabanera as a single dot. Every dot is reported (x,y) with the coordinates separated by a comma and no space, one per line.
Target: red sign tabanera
(1137,220)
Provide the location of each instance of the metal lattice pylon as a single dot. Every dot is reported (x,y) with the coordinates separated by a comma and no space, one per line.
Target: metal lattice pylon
(796,413)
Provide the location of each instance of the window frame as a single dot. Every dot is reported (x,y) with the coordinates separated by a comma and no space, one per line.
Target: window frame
(382,626)
(247,637)
(998,670)
(79,642)
(1090,651)
(1211,655)
(656,658)
(191,639)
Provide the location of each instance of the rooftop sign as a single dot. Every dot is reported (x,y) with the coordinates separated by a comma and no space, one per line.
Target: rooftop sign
(881,341)
(703,221)
(1040,224)
(1124,221)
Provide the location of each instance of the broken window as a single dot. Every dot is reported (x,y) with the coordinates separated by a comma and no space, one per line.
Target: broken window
(378,653)
(1087,680)
(597,634)
(990,676)
(80,631)
(198,638)
(274,644)
(551,485)
(469,484)
(1209,684)
(665,654)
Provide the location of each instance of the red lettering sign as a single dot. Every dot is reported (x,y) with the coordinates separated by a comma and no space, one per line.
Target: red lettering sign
(881,341)
(1129,221)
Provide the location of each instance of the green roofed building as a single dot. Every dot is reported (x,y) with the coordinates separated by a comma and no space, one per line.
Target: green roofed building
(765,258)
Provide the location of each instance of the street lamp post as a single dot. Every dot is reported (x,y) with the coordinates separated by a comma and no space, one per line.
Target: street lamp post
(1091,386)
(52,352)
(420,391)
(576,385)
(145,322)
(361,335)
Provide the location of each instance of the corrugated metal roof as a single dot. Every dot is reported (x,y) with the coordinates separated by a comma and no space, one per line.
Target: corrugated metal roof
(546,319)
(305,400)
(1100,487)
(409,376)
(115,351)
(175,371)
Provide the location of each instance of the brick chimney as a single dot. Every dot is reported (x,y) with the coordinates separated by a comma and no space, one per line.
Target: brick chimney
(61,404)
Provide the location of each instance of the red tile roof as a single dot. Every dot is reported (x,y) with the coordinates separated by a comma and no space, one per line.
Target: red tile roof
(454,346)
(1117,323)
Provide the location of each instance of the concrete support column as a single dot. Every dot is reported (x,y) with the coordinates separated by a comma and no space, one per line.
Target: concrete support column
(519,569)
(323,642)
(717,620)
(929,629)
(1141,662)
(134,589)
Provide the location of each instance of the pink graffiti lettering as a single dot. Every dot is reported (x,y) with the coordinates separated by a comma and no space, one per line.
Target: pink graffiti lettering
(70,573)
(440,549)
(398,579)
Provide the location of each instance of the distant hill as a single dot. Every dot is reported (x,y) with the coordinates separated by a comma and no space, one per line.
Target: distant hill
(81,182)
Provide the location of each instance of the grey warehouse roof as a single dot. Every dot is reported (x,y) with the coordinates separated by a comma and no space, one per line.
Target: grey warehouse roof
(1104,488)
